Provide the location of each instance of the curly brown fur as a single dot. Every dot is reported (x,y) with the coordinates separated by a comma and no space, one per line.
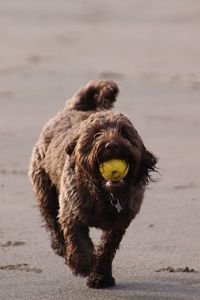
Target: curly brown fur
(73,196)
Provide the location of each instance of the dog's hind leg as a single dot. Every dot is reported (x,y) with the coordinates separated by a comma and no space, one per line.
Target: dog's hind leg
(47,198)
(101,276)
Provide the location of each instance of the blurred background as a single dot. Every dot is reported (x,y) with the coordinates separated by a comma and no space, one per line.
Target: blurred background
(151,48)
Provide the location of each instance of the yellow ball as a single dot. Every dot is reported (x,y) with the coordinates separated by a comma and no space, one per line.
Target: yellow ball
(114,169)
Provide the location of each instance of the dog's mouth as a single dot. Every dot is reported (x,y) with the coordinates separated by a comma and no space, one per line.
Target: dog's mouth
(115,184)
(114,165)
(115,179)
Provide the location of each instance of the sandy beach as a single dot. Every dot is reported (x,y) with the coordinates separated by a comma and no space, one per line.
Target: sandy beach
(151,48)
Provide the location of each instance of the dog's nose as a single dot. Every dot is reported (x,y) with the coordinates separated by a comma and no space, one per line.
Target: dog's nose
(112,146)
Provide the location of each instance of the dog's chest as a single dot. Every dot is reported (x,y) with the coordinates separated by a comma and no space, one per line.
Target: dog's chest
(105,215)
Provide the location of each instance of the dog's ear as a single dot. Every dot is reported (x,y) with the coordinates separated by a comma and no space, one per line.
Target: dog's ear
(71,146)
(147,165)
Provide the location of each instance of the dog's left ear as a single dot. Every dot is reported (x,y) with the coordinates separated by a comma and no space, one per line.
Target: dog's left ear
(147,165)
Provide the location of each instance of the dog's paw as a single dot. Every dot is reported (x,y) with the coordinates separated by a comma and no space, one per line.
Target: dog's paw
(99,281)
(79,264)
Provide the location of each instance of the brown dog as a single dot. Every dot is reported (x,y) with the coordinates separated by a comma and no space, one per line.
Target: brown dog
(72,194)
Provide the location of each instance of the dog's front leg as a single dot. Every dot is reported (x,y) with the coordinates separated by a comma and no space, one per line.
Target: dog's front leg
(101,276)
(79,255)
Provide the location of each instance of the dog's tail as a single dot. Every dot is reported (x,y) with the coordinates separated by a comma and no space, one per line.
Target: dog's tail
(96,95)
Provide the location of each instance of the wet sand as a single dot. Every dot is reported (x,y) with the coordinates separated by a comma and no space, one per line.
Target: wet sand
(151,48)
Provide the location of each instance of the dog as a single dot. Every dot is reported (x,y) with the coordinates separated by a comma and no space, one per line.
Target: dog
(72,194)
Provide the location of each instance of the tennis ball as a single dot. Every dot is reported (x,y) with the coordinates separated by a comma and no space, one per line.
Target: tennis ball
(114,169)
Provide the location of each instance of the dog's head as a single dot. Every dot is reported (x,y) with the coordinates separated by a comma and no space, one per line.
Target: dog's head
(107,135)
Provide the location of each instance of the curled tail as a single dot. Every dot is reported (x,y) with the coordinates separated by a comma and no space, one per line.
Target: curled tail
(97,94)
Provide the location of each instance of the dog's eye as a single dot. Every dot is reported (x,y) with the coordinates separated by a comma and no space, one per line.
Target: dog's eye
(124,133)
(97,135)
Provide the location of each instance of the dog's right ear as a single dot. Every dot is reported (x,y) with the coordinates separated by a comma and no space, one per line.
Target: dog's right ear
(71,146)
